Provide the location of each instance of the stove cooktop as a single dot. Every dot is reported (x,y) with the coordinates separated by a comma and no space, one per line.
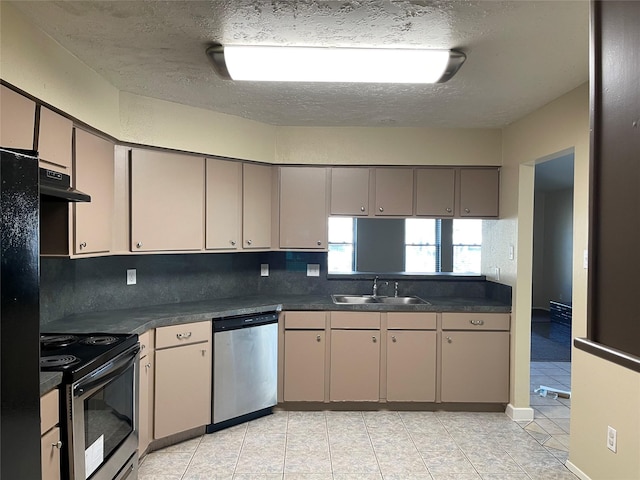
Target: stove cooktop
(78,354)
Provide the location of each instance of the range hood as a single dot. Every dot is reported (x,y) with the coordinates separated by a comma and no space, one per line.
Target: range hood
(57,186)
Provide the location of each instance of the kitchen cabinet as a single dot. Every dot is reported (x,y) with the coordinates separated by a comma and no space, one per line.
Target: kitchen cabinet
(183,378)
(51,444)
(17,120)
(224,204)
(349,191)
(393,192)
(435,192)
(479,192)
(411,357)
(256,206)
(475,357)
(167,201)
(94,175)
(355,356)
(54,141)
(303,208)
(305,353)
(145,388)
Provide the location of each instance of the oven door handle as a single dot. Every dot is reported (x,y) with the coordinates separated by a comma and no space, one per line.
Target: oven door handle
(107,372)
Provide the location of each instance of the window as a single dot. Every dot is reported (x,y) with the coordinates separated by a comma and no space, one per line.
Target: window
(428,245)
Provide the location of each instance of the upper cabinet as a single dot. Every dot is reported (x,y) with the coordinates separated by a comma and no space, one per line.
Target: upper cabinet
(54,141)
(17,120)
(393,192)
(479,192)
(303,209)
(94,175)
(256,206)
(350,191)
(435,192)
(224,205)
(167,201)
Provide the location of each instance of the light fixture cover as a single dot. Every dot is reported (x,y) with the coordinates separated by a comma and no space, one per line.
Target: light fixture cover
(316,64)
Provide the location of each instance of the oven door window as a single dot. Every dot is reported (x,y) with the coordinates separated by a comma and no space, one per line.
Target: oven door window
(108,415)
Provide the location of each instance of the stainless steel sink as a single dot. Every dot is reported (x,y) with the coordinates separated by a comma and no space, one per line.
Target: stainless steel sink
(364,299)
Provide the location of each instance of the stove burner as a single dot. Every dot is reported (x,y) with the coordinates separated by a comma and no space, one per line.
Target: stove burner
(100,340)
(57,360)
(57,341)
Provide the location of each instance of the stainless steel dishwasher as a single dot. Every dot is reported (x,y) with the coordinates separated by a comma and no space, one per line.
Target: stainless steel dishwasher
(245,368)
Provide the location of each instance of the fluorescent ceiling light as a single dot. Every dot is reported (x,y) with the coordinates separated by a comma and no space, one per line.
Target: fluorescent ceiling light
(316,64)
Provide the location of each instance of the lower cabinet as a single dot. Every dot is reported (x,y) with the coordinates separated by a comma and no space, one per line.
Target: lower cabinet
(182,378)
(145,416)
(475,357)
(50,443)
(355,356)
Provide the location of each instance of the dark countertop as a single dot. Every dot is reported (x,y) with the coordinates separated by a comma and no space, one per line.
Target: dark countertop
(139,320)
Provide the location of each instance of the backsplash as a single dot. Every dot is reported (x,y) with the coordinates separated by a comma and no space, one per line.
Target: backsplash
(96,284)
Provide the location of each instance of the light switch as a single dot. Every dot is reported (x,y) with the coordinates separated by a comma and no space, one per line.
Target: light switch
(264,269)
(131,276)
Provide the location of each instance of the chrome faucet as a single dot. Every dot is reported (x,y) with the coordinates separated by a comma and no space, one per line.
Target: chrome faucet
(375,286)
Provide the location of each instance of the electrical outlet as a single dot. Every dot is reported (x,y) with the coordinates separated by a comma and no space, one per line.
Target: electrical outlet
(511,252)
(585,259)
(313,270)
(131,276)
(612,439)
(496,273)
(264,269)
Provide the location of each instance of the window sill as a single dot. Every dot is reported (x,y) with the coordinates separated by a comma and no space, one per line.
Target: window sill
(443,276)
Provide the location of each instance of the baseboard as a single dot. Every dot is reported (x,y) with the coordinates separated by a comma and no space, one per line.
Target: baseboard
(519,414)
(576,471)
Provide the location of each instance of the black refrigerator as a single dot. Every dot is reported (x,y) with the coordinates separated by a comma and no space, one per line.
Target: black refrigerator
(19,316)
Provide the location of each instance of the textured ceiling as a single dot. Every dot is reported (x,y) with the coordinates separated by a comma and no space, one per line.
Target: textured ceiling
(520,55)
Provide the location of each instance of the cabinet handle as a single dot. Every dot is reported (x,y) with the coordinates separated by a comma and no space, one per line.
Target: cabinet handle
(57,445)
(139,245)
(476,322)
(142,347)
(233,243)
(147,366)
(183,336)
(449,340)
(249,242)
(317,338)
(362,209)
(381,209)
(204,352)
(448,209)
(393,339)
(83,245)
(374,339)
(466,210)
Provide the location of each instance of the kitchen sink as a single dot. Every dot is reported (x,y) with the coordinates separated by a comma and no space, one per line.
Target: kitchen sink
(368,299)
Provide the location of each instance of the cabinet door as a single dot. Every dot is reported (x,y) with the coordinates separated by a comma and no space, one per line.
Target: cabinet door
(303,207)
(95,176)
(475,366)
(183,389)
(479,192)
(50,454)
(167,201)
(256,209)
(304,356)
(411,366)
(54,141)
(355,365)
(145,423)
(17,120)
(394,191)
(224,204)
(435,191)
(350,191)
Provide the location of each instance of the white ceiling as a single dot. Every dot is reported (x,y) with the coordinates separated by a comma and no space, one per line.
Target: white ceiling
(520,55)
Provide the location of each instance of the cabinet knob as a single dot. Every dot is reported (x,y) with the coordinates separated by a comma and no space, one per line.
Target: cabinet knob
(466,210)
(319,243)
(374,339)
(183,336)
(57,445)
(233,243)
(449,340)
(139,245)
(317,338)
(362,209)
(83,245)
(476,322)
(147,366)
(381,209)
(448,209)
(393,339)
(142,347)
(204,352)
(249,242)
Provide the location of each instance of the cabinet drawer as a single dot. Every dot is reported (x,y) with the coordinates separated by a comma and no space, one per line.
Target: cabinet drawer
(146,342)
(305,320)
(355,320)
(411,320)
(49,411)
(184,334)
(475,321)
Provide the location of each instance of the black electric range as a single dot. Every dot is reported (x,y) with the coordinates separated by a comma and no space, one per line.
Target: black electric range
(77,354)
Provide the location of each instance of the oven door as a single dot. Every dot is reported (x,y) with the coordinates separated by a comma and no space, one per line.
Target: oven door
(104,419)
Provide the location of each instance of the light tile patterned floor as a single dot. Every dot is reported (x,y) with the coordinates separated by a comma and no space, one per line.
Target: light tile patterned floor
(382,445)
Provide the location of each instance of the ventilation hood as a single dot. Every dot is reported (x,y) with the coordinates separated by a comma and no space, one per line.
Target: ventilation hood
(57,186)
